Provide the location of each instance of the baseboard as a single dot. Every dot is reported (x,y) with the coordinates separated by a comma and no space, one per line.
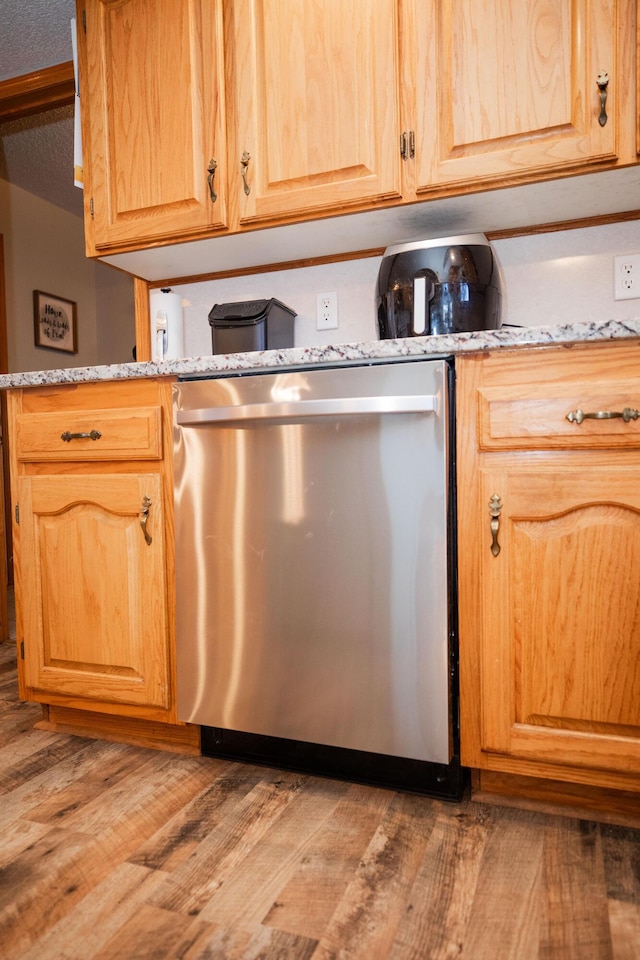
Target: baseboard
(174,738)
(554,796)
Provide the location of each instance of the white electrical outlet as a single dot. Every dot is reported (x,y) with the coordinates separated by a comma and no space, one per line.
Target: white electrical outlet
(626,277)
(327,310)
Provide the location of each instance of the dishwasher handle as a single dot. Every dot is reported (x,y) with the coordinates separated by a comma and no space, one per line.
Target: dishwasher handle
(290,410)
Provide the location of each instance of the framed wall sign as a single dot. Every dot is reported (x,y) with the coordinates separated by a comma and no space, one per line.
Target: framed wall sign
(55,322)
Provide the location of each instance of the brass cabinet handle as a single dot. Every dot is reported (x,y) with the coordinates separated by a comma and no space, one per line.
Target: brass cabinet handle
(495,508)
(603,83)
(144,516)
(577,416)
(211,172)
(67,436)
(244,163)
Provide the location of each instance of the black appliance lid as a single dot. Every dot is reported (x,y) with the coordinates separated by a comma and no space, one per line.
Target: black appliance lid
(245,311)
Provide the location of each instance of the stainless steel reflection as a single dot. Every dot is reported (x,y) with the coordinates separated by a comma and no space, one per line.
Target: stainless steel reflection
(312,595)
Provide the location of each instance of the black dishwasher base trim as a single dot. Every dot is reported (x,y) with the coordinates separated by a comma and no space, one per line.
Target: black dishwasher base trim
(443,781)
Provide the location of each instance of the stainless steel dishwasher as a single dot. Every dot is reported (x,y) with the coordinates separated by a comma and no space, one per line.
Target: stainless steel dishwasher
(315,575)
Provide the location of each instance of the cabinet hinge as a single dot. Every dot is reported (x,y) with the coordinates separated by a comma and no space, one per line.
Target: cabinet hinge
(84,20)
(407,145)
(22,649)
(91,207)
(17,513)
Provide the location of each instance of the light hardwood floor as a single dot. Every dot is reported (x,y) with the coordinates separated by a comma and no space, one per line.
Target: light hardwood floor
(118,853)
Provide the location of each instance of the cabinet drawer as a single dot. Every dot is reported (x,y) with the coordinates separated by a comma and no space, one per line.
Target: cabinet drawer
(547,417)
(118,434)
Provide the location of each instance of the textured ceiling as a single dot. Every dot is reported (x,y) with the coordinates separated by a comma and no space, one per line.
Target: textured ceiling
(34,34)
(36,153)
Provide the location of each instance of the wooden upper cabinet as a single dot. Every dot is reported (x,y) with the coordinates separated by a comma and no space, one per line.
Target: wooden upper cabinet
(284,110)
(506,89)
(317,105)
(152,96)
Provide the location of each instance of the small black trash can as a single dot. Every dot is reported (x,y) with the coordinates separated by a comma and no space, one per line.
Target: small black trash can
(251,325)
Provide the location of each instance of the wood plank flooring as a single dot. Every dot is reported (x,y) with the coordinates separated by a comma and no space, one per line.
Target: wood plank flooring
(111,852)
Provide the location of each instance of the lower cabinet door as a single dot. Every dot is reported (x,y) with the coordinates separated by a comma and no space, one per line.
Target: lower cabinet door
(91,570)
(560,599)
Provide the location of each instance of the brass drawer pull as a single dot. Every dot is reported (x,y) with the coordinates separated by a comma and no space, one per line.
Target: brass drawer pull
(144,516)
(67,436)
(495,509)
(577,416)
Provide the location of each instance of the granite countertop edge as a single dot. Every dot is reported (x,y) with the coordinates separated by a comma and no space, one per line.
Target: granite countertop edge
(336,354)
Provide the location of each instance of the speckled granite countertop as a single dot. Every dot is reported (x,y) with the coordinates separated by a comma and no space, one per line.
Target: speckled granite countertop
(345,353)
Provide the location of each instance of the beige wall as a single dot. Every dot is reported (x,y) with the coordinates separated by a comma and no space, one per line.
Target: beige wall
(44,250)
(115,315)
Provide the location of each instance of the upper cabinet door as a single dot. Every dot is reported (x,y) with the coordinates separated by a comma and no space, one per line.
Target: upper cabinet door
(316,105)
(152,95)
(508,88)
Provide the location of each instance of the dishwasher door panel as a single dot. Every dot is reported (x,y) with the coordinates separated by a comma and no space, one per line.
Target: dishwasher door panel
(311,559)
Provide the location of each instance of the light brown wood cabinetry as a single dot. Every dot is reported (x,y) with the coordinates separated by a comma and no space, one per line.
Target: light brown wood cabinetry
(93,592)
(315,108)
(92,491)
(550,617)
(157,107)
(154,129)
(317,105)
(506,89)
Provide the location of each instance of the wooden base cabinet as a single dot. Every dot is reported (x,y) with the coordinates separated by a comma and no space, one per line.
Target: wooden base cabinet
(92,491)
(93,595)
(549,521)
